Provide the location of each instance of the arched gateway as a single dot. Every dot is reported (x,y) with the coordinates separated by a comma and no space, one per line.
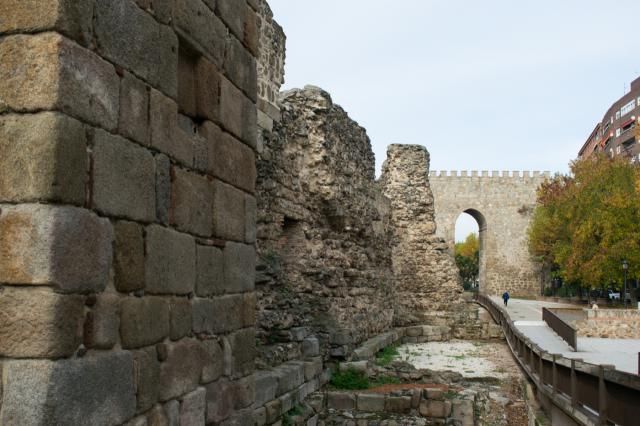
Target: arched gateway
(502,204)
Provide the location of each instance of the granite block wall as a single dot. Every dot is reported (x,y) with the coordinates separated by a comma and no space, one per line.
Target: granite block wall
(127,211)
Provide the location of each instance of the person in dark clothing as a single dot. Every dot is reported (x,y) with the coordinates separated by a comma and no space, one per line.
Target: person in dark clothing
(505,297)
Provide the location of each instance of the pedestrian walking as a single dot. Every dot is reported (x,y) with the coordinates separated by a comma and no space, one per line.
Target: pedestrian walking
(505,297)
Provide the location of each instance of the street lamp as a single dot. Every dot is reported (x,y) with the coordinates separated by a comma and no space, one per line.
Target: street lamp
(625,266)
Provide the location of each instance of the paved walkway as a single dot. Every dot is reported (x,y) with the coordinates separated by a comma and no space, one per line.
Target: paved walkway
(527,317)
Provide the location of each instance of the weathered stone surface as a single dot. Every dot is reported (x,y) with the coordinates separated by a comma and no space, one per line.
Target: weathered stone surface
(123,178)
(243,348)
(266,387)
(147,377)
(260,416)
(434,408)
(312,368)
(39,323)
(193,408)
(240,67)
(154,54)
(274,410)
(229,159)
(134,109)
(138,421)
(58,74)
(42,157)
(239,267)
(144,321)
(69,17)
(238,114)
(233,13)
(102,323)
(163,188)
(170,263)
(77,391)
(180,373)
(192,198)
(224,397)
(371,402)
(398,404)
(462,412)
(213,361)
(341,400)
(66,247)
(128,262)
(249,302)
(250,214)
(290,375)
(197,23)
(208,79)
(251,31)
(172,412)
(210,279)
(157,416)
(166,136)
(228,216)
(310,347)
(219,315)
(180,318)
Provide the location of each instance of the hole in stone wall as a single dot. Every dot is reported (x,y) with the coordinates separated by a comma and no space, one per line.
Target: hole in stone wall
(292,239)
(187,61)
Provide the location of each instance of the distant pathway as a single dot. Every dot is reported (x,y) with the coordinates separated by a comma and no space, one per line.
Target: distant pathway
(527,317)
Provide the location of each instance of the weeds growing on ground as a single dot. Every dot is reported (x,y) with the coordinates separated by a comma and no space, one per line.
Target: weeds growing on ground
(386,355)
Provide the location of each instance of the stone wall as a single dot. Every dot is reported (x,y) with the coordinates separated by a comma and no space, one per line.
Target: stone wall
(503,206)
(610,323)
(426,278)
(322,232)
(127,211)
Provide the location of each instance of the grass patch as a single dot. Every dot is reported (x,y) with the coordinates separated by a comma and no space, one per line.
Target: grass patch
(384,380)
(386,355)
(350,379)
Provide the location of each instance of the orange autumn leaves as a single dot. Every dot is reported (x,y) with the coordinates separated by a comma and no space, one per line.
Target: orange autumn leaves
(585,224)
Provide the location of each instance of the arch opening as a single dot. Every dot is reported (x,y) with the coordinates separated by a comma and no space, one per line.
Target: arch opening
(470,244)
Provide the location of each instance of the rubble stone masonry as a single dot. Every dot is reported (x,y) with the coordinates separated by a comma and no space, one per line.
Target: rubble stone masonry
(127,211)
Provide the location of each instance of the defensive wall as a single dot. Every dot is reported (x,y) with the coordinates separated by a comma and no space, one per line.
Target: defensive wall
(502,204)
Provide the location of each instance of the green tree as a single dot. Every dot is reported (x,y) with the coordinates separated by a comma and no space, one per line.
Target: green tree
(586,223)
(467,256)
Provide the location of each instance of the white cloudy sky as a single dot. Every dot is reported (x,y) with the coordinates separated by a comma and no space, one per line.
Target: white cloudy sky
(484,85)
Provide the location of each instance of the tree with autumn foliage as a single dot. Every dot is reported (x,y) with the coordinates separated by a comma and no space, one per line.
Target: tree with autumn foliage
(467,256)
(586,223)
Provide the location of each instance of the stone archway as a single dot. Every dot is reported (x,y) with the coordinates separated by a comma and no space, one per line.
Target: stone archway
(502,205)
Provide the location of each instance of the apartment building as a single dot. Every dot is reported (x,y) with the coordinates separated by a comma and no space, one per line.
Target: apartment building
(617,133)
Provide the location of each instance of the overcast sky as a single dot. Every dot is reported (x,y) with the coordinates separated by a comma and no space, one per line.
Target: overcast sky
(484,85)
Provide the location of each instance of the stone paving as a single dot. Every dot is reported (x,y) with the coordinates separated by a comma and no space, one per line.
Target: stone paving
(527,316)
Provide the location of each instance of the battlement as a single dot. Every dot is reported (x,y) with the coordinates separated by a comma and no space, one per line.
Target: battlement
(491,174)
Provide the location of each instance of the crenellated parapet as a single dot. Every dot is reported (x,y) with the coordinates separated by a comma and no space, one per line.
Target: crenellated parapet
(517,174)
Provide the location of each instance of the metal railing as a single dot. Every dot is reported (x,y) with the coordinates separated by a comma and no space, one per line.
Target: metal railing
(590,394)
(564,330)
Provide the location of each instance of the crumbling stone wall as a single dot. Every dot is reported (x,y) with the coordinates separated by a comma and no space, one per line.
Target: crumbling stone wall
(322,231)
(127,211)
(426,278)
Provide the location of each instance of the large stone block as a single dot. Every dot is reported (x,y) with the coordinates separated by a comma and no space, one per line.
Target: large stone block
(233,13)
(213,362)
(266,387)
(219,315)
(193,408)
(224,398)
(170,266)
(192,201)
(37,323)
(228,214)
(250,218)
(163,188)
(128,262)
(102,323)
(133,39)
(47,71)
(180,318)
(207,83)
(163,126)
(196,23)
(134,109)
(67,247)
(239,267)
(290,375)
(243,350)
(229,159)
(238,114)
(123,178)
(147,378)
(371,402)
(210,280)
(144,321)
(240,67)
(95,390)
(180,372)
(341,401)
(69,17)
(43,157)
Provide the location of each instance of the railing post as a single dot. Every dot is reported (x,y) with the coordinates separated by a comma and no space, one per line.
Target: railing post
(602,397)
(574,384)
(554,375)
(541,368)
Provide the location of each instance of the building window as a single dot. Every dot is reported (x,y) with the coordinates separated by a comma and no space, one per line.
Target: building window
(617,115)
(618,131)
(628,108)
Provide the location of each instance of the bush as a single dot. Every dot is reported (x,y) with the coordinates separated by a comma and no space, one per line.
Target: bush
(386,355)
(350,379)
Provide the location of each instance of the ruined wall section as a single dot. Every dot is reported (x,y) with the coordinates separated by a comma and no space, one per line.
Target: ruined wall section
(505,204)
(127,211)
(324,257)
(426,277)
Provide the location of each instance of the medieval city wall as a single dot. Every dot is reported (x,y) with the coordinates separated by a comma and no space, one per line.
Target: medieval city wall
(503,205)
(127,211)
